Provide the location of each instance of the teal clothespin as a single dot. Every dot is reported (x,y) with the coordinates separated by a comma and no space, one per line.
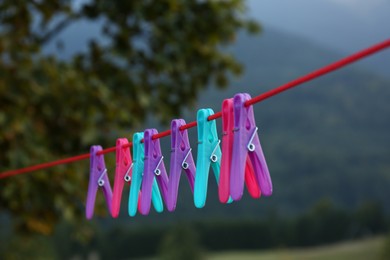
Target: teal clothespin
(138,169)
(209,154)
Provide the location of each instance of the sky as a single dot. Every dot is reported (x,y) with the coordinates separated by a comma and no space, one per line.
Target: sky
(342,25)
(345,26)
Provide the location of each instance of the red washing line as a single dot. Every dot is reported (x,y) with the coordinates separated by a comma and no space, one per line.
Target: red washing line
(315,74)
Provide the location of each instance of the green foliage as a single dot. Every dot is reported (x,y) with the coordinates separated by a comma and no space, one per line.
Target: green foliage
(180,243)
(323,224)
(371,217)
(28,247)
(156,58)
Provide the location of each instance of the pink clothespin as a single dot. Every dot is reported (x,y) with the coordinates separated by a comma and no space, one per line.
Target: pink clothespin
(97,179)
(247,143)
(153,168)
(181,159)
(226,160)
(123,173)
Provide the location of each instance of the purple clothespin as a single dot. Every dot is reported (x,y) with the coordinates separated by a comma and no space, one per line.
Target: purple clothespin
(97,179)
(247,143)
(153,167)
(181,159)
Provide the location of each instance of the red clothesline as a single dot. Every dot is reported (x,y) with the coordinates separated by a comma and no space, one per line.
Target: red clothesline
(315,74)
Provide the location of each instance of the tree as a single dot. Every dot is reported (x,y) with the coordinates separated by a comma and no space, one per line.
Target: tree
(324,223)
(156,57)
(371,218)
(181,243)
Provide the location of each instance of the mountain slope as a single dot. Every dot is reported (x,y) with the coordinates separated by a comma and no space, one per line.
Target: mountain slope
(325,139)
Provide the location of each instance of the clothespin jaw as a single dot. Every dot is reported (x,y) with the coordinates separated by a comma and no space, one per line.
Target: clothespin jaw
(138,172)
(209,154)
(123,173)
(247,143)
(181,159)
(154,169)
(98,178)
(227,150)
(251,181)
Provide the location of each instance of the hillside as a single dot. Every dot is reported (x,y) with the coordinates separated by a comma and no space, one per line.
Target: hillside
(327,139)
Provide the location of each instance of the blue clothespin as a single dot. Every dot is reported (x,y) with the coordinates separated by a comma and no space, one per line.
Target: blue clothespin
(138,169)
(209,154)
(97,179)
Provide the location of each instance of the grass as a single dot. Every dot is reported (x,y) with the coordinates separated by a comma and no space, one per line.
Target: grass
(356,250)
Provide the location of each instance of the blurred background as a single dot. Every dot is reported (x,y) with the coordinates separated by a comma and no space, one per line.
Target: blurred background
(78,73)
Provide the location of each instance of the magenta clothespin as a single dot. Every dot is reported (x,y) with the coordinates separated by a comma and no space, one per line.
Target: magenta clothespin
(97,179)
(153,168)
(226,159)
(181,159)
(123,173)
(247,143)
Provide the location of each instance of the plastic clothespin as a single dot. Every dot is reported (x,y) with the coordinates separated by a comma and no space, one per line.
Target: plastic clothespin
(138,169)
(247,143)
(97,179)
(154,170)
(227,150)
(209,154)
(123,173)
(181,159)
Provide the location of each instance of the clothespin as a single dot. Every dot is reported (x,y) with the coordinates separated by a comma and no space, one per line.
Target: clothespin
(138,172)
(181,159)
(227,149)
(123,173)
(209,154)
(97,179)
(154,170)
(247,143)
